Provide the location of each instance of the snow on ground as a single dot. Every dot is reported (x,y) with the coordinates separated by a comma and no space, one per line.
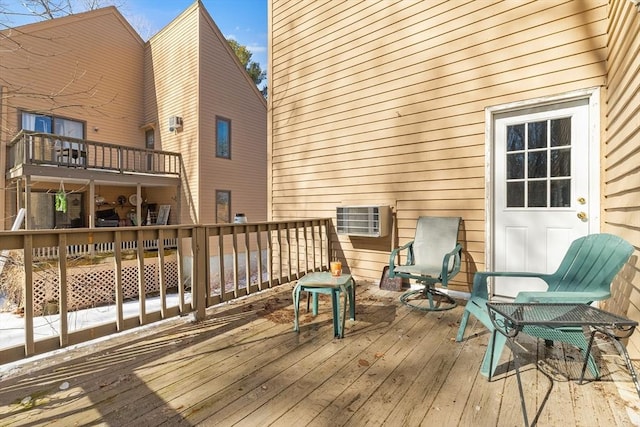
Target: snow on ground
(12,325)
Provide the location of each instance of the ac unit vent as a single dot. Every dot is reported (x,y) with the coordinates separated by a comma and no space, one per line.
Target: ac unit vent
(175,123)
(365,221)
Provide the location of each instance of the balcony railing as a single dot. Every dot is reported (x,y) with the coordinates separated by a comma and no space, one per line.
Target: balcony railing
(36,148)
(51,252)
(209,264)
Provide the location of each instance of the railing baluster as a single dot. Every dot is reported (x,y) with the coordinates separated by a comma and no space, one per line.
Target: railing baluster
(288,234)
(247,260)
(313,247)
(117,272)
(141,279)
(297,231)
(279,242)
(221,272)
(259,257)
(29,345)
(234,242)
(270,256)
(181,285)
(161,276)
(62,289)
(306,246)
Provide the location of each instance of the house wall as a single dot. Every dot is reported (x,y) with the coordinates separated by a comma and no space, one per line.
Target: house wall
(192,73)
(383,103)
(171,89)
(67,67)
(227,91)
(621,153)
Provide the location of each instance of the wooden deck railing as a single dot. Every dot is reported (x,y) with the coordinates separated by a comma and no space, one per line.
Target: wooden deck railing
(216,263)
(37,148)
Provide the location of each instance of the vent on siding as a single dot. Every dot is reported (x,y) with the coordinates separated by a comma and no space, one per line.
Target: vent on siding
(365,221)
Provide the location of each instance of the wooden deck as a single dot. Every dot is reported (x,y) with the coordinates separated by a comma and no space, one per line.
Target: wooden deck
(244,365)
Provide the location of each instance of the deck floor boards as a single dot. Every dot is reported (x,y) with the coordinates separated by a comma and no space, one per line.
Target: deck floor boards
(243,365)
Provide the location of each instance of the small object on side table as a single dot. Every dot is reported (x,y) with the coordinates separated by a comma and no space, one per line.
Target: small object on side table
(336,268)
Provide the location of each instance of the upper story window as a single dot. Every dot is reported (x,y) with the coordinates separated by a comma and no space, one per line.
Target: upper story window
(223,138)
(52,124)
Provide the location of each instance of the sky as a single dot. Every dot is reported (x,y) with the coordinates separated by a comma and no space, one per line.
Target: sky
(242,20)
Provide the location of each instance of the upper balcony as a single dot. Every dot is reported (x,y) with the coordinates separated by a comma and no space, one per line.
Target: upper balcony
(33,153)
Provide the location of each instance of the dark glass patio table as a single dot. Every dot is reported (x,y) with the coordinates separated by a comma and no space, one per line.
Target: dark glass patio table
(510,318)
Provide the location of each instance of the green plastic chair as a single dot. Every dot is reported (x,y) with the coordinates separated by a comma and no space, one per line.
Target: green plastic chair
(584,275)
(433,256)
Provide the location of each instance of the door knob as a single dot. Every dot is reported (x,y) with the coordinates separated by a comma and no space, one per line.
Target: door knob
(582,216)
(581,200)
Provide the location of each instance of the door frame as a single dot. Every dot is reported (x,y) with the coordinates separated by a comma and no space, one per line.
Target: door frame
(593,95)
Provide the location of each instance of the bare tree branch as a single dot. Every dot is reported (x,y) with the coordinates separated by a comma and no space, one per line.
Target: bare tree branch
(74,93)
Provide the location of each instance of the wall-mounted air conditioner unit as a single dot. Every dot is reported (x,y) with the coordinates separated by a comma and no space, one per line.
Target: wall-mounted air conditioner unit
(175,123)
(365,221)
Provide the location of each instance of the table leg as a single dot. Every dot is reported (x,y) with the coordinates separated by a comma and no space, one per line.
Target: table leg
(296,307)
(625,355)
(516,363)
(344,310)
(335,304)
(352,300)
(315,303)
(586,356)
(622,350)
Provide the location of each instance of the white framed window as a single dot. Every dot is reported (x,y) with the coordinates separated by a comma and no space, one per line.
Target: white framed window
(223,137)
(52,124)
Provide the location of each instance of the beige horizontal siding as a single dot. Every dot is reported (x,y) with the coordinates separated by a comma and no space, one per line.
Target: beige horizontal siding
(621,204)
(226,91)
(67,68)
(82,81)
(172,65)
(198,78)
(383,103)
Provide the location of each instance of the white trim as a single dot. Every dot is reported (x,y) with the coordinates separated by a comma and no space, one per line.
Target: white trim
(594,161)
(593,95)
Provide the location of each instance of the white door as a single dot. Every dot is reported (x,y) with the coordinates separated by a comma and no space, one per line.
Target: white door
(542,198)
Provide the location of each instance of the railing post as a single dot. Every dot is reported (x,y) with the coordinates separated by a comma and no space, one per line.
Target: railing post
(181,284)
(198,272)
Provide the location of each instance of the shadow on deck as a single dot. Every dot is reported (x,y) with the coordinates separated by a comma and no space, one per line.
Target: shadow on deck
(245,365)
